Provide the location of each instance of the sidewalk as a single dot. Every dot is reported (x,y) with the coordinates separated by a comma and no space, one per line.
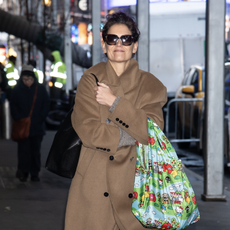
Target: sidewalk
(41,205)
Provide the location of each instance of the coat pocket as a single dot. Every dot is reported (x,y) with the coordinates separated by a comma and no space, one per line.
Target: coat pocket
(86,157)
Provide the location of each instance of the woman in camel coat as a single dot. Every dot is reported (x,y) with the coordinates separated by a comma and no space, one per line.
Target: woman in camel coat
(110,118)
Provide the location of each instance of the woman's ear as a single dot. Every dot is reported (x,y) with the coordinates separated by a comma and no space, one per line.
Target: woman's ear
(135,46)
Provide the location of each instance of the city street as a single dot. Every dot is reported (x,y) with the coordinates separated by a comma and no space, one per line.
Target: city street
(30,205)
(41,205)
(194,161)
(47,46)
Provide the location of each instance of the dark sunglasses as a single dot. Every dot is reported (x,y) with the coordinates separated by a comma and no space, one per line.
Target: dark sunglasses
(112,39)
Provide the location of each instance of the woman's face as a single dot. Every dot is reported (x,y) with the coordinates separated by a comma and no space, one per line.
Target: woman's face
(119,52)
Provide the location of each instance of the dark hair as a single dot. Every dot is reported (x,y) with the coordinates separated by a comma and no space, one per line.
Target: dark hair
(121,18)
(27,73)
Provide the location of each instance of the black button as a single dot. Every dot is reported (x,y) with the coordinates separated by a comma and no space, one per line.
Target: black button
(104,149)
(123,124)
(101,148)
(130,195)
(108,150)
(126,126)
(120,121)
(97,147)
(117,119)
(106,194)
(111,158)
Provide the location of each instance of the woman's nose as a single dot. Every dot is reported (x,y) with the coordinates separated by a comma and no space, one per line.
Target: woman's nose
(119,42)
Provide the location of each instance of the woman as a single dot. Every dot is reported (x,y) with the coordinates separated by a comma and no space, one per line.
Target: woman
(110,118)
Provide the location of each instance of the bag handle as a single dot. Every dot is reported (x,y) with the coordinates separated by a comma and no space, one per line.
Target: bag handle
(95,79)
(35,97)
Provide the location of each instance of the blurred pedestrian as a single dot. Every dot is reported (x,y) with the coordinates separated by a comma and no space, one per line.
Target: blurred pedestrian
(11,75)
(11,71)
(38,73)
(109,119)
(58,76)
(29,158)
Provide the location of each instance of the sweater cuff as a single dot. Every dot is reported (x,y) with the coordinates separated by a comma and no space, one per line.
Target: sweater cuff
(125,139)
(113,106)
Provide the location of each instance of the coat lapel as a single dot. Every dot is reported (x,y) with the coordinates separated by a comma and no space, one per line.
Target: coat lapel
(124,86)
(128,80)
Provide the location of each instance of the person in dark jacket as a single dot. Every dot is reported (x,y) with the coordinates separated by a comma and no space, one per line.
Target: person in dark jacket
(4,87)
(29,158)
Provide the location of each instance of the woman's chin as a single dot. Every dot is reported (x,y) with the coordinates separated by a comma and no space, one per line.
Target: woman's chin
(119,59)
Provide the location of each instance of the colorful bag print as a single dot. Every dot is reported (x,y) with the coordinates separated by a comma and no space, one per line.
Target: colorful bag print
(163,197)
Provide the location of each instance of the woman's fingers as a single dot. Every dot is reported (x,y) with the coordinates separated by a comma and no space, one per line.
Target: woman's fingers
(104,95)
(103,85)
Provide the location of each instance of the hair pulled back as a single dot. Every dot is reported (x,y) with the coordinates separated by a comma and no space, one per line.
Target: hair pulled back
(121,18)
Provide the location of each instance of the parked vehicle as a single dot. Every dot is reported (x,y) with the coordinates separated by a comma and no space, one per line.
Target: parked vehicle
(193,86)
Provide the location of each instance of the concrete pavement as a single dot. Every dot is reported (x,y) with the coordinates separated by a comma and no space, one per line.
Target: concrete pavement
(41,205)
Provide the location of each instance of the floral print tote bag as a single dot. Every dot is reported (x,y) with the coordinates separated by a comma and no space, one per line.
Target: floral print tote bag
(163,197)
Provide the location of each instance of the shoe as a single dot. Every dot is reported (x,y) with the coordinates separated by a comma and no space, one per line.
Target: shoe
(35,178)
(21,176)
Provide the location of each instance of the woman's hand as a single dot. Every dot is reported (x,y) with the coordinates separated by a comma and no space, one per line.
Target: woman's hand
(104,95)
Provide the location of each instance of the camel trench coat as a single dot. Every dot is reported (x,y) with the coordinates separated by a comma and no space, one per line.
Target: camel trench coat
(100,196)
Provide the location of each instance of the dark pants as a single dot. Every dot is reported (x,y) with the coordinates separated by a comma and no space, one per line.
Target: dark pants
(29,156)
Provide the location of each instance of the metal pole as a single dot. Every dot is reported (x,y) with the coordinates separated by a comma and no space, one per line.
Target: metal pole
(28,8)
(96,22)
(67,47)
(214,101)
(143,24)
(54,3)
(5,119)
(40,55)
(44,38)
(21,41)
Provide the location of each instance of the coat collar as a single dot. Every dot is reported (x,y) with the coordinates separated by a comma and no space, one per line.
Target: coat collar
(129,79)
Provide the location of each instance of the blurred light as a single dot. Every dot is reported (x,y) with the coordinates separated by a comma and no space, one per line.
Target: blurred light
(47,2)
(12,52)
(82,4)
(58,85)
(83,34)
(12,82)
(2,55)
(226,23)
(74,33)
(51,84)
(90,38)
(117,3)
(90,27)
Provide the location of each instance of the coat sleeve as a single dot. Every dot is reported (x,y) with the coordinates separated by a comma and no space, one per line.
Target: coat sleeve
(86,119)
(14,105)
(133,120)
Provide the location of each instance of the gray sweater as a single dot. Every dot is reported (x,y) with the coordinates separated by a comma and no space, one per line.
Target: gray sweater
(125,138)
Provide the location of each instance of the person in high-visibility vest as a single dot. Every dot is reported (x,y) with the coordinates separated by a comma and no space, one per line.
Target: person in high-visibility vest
(38,73)
(11,72)
(58,71)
